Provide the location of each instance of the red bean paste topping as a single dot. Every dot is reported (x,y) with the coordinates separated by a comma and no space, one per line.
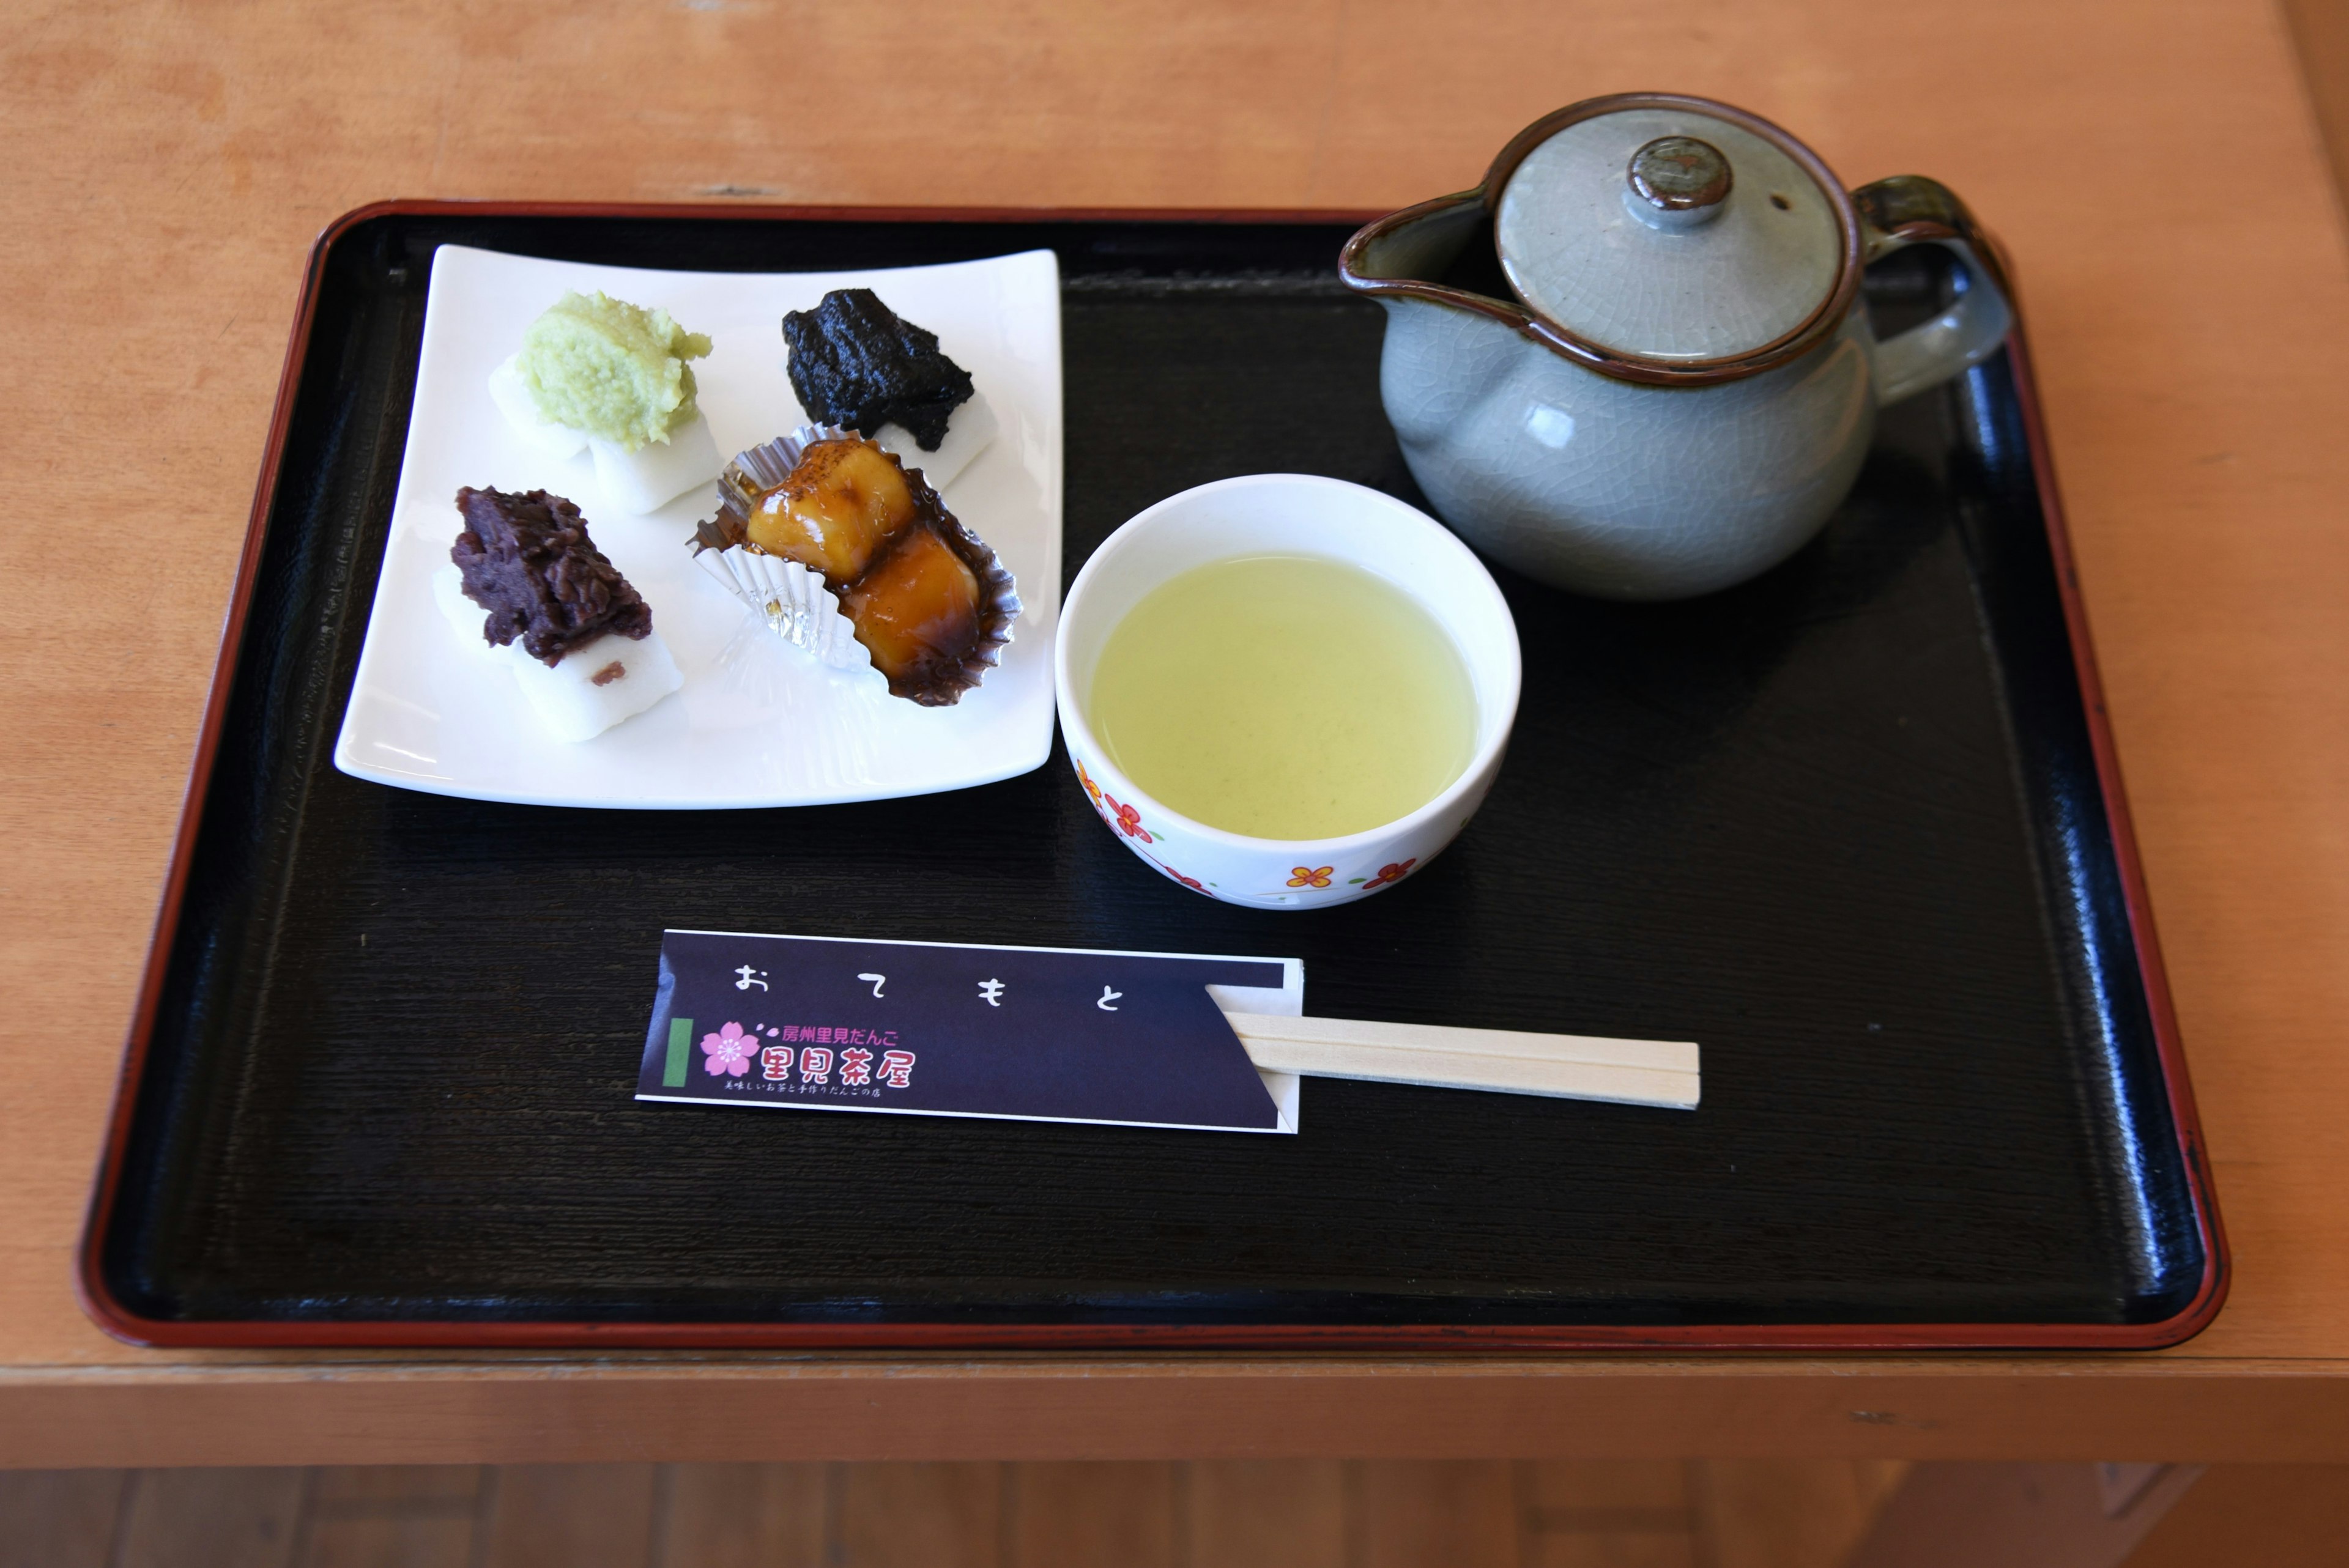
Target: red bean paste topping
(528,561)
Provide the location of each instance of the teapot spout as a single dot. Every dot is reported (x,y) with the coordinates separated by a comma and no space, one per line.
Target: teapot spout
(1440,251)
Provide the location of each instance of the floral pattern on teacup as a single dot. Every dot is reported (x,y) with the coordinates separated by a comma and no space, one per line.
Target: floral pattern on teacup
(1126,820)
(1193,883)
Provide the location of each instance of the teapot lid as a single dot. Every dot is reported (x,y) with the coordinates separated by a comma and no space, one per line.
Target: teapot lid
(1666,235)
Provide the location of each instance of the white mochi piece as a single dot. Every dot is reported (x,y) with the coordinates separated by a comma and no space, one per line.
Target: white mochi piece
(594,686)
(657,473)
(511,393)
(967,435)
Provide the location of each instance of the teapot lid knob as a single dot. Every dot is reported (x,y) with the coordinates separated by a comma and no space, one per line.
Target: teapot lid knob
(1680,174)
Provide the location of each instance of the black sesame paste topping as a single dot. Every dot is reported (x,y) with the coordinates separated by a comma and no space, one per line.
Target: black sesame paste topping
(528,561)
(855,363)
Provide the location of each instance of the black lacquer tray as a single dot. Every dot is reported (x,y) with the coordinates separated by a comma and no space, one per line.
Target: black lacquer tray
(1853,826)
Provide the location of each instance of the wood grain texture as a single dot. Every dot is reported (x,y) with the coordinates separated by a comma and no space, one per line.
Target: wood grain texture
(1553,1487)
(1267,1514)
(1614,1549)
(570,1516)
(744,1516)
(211,1518)
(2319,32)
(919,1516)
(395,1516)
(59,1519)
(1436,1513)
(2015,1514)
(1209,1515)
(1073,1515)
(172,162)
(1612,1513)
(2277,1516)
(388,1542)
(1144,1409)
(1787,1513)
(366,1488)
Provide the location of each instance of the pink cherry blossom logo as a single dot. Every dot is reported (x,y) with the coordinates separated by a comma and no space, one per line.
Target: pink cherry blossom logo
(730,1050)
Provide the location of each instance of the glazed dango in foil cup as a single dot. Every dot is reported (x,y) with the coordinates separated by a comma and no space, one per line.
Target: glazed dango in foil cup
(841,619)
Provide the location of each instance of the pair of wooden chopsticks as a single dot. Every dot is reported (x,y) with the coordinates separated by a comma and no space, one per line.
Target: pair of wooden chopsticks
(1573,1067)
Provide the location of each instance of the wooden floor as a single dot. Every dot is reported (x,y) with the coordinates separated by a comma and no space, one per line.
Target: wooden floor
(1223,1514)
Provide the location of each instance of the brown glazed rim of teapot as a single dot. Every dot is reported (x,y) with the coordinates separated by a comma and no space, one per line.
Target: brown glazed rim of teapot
(1615,362)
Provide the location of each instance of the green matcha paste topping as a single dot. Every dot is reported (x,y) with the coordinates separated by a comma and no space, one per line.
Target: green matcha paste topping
(611,368)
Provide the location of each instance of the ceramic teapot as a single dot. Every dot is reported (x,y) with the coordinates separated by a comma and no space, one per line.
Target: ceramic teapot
(1634,362)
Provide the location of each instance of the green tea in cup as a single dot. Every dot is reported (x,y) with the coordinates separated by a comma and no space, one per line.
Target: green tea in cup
(1284,697)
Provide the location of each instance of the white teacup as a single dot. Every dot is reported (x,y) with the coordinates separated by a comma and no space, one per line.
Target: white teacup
(1287,514)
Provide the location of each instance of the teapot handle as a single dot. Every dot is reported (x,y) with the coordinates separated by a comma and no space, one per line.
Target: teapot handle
(1910,210)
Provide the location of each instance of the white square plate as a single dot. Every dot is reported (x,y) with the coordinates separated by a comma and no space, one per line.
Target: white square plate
(759,723)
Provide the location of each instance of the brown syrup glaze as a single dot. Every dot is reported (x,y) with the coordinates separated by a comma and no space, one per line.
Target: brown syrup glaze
(916,610)
(908,576)
(845,501)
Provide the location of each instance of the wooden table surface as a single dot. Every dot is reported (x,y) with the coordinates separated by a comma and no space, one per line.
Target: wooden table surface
(2154,168)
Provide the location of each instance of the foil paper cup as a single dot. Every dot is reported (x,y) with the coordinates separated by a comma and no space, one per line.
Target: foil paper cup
(803,609)
(793,600)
